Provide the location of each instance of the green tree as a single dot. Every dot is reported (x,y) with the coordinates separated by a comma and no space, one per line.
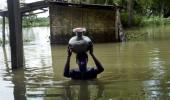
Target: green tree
(130,12)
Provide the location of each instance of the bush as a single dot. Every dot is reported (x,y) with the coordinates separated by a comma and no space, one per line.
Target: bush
(0,41)
(124,19)
(137,20)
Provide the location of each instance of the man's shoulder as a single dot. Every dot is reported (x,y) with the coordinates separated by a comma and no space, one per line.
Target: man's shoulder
(75,70)
(89,69)
(91,73)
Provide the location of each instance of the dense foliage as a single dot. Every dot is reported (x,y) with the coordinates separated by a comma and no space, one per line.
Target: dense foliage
(33,20)
(138,11)
(135,12)
(144,7)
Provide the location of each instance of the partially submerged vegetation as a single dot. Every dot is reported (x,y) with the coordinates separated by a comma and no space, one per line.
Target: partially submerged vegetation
(136,35)
(156,20)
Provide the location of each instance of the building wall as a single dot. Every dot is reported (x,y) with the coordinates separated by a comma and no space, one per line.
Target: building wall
(100,23)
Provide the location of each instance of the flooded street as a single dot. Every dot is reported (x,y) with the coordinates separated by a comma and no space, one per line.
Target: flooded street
(134,70)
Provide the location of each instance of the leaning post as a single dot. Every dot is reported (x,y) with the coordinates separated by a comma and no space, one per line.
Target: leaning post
(16,39)
(3,31)
(120,35)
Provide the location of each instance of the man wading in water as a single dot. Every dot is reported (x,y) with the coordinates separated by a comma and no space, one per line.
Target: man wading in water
(83,72)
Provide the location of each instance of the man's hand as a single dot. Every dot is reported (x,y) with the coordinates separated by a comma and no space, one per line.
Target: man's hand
(91,49)
(67,64)
(69,51)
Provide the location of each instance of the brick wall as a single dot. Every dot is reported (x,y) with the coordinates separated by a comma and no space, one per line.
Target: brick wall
(100,23)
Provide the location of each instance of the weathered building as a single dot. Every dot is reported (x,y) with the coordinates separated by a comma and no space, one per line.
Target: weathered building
(99,20)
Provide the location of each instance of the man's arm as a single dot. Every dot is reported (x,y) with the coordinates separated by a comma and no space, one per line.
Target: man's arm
(96,61)
(67,64)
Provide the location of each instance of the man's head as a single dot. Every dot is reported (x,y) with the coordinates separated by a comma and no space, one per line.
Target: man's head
(82,60)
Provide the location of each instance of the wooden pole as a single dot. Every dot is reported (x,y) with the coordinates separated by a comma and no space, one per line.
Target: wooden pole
(3,31)
(16,40)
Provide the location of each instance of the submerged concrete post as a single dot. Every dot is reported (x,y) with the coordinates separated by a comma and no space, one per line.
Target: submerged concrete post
(117,25)
(3,31)
(16,39)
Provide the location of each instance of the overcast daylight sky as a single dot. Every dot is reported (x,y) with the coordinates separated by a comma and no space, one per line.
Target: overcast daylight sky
(3,4)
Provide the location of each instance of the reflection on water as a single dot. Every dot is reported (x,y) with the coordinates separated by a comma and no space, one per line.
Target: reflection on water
(133,71)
